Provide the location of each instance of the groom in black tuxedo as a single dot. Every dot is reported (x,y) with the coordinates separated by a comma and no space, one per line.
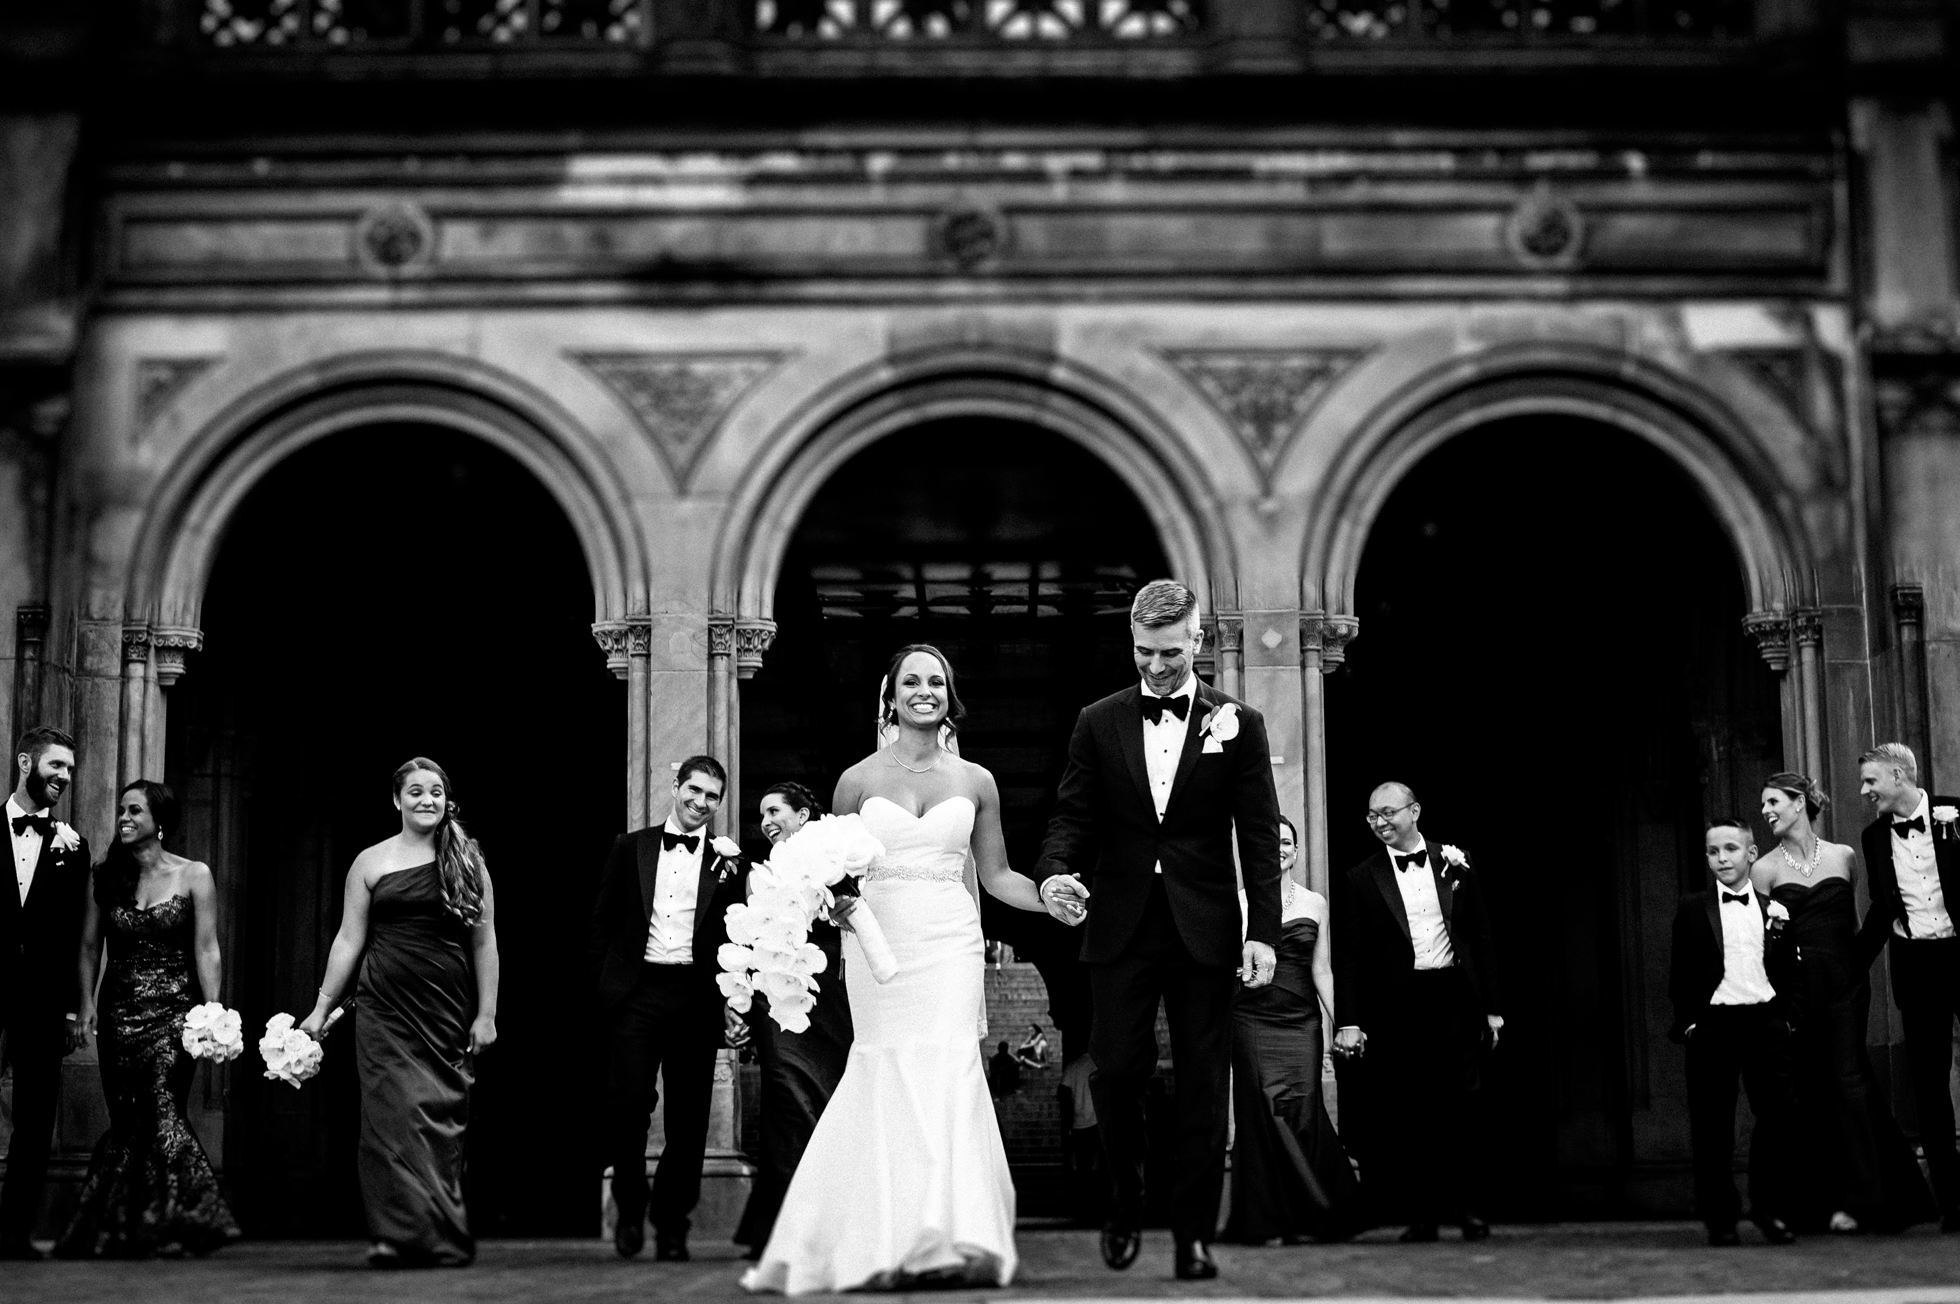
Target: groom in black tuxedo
(1912,863)
(41,909)
(660,920)
(1415,995)
(1159,776)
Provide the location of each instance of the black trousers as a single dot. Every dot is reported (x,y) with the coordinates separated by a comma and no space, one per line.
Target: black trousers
(1928,992)
(1197,1000)
(670,1025)
(36,1043)
(1750,1045)
(1423,1124)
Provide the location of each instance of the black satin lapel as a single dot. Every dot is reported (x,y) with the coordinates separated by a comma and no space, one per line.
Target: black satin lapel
(704,898)
(1129,733)
(1385,880)
(1713,909)
(1187,760)
(44,869)
(649,861)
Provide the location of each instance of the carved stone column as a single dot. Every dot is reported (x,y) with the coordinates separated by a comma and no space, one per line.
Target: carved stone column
(753,638)
(1231,654)
(724,700)
(1323,647)
(627,644)
(30,652)
(1909,617)
(173,645)
(1771,631)
(135,701)
(1807,629)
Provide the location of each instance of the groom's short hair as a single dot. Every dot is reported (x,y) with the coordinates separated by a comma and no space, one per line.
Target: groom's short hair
(1896,756)
(1161,603)
(707,765)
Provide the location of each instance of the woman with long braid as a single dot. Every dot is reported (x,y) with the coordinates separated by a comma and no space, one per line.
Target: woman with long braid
(419,917)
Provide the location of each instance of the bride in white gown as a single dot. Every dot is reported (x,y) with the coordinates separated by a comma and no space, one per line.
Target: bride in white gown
(904,1181)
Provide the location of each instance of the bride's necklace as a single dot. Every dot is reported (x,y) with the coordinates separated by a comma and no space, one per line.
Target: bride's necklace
(915,769)
(1816,853)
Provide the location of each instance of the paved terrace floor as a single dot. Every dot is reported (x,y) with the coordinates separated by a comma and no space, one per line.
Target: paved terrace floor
(1630,1261)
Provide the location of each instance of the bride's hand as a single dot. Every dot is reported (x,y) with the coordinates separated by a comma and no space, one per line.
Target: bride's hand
(840,912)
(1066,899)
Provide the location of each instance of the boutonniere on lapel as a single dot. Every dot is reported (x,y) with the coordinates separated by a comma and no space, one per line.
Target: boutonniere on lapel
(1943,818)
(1775,915)
(729,853)
(1220,727)
(1455,864)
(65,838)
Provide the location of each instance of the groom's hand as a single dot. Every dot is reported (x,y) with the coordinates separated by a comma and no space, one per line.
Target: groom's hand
(1256,964)
(1065,898)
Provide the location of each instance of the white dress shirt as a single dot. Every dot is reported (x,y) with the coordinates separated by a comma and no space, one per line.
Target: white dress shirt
(27,847)
(1163,746)
(1918,872)
(670,929)
(1427,932)
(1744,980)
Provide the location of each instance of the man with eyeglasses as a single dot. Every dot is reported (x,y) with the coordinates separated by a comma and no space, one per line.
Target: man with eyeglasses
(1415,986)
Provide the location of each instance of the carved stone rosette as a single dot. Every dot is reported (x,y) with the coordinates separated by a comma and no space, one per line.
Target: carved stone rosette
(173,645)
(1771,630)
(136,645)
(752,641)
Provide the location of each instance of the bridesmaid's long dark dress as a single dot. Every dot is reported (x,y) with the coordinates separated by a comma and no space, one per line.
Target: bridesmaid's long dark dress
(412,1018)
(1862,1162)
(1290,1173)
(150,1188)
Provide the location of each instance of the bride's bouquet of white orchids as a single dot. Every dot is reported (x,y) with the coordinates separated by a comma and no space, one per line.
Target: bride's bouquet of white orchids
(769,951)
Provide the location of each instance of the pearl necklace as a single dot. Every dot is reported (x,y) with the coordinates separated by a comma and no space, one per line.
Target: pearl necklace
(1816,853)
(903,766)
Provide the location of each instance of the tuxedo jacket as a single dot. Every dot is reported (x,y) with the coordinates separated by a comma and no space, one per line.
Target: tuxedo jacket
(1882,877)
(40,937)
(625,908)
(1105,830)
(1700,960)
(1374,955)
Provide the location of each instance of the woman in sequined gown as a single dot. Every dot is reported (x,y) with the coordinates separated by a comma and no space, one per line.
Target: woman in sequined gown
(150,1189)
(420,920)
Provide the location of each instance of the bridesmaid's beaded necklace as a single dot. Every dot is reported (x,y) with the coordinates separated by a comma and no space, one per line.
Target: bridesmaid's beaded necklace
(1816,853)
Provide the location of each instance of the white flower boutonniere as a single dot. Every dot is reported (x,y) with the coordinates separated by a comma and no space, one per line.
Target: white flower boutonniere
(65,838)
(1943,818)
(1220,727)
(1454,857)
(730,852)
(1453,863)
(1776,915)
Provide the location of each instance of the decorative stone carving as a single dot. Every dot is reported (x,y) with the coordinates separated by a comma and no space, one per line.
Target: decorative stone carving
(680,399)
(1908,604)
(611,637)
(1807,626)
(1771,630)
(1546,232)
(160,380)
(1336,632)
(136,644)
(173,645)
(639,637)
(971,236)
(752,640)
(1265,395)
(31,623)
(721,636)
(1919,400)
(395,238)
(1806,381)
(1231,633)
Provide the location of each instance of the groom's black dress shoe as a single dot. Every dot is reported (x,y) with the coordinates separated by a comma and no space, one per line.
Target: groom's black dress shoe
(629,1235)
(669,1251)
(1418,1234)
(1194,1262)
(1475,1228)
(1120,1245)
(1776,1231)
(1723,1236)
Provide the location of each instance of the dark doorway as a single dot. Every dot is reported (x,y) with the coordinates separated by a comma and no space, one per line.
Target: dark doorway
(1552,655)
(395,591)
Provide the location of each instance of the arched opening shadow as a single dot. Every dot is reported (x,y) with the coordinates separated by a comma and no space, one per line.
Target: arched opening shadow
(1551,654)
(390,591)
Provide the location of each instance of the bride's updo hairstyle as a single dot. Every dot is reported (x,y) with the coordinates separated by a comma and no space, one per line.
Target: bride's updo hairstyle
(1800,785)
(459,861)
(888,692)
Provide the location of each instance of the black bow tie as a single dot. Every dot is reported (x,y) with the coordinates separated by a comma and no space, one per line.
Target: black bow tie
(670,839)
(1413,858)
(1907,826)
(41,824)
(1732,899)
(1154,707)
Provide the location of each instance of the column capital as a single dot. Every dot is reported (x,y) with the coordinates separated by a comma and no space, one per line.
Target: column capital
(622,640)
(1908,603)
(1330,635)
(753,637)
(721,636)
(173,644)
(1771,630)
(1230,627)
(1807,626)
(31,621)
(136,644)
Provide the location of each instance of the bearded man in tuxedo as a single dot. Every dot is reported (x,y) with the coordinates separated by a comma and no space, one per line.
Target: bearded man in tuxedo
(1160,776)
(1415,995)
(1912,864)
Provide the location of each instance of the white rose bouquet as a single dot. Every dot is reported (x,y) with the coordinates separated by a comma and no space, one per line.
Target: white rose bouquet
(211,1032)
(290,1055)
(769,950)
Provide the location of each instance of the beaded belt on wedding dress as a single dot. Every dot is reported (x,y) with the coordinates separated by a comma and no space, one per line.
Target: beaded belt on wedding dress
(916,873)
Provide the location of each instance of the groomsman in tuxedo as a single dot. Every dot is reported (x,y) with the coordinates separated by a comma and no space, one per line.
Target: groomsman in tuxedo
(40,936)
(1728,1013)
(1912,865)
(658,925)
(1160,776)
(1415,994)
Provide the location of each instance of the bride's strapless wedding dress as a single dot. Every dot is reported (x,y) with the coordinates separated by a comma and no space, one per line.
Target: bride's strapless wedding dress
(905,1176)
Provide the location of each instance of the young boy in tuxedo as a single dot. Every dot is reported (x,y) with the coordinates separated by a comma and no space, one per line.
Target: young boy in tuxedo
(1736,1028)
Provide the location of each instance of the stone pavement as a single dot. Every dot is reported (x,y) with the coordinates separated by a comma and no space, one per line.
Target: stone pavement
(1626,1261)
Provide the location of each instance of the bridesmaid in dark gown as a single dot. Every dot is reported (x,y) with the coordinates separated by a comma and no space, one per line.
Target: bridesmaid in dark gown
(1866,1176)
(420,917)
(150,1189)
(1291,1180)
